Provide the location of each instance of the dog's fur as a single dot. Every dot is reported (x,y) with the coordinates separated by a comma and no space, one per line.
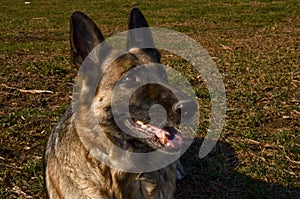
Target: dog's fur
(70,170)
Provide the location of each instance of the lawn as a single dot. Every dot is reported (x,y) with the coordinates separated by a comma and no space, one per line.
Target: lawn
(254,44)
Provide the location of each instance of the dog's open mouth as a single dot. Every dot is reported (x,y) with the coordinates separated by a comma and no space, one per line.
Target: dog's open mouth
(166,136)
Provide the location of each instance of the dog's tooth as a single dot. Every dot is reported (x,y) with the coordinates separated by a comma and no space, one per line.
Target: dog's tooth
(138,122)
(143,126)
(164,138)
(168,144)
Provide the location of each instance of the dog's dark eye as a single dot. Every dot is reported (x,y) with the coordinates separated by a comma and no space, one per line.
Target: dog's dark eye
(130,79)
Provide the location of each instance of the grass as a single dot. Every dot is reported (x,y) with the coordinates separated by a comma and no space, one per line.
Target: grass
(255,45)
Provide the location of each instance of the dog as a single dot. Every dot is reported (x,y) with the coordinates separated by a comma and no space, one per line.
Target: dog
(71,170)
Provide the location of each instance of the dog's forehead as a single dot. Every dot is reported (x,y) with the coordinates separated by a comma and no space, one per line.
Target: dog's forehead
(128,61)
(134,50)
(143,56)
(122,64)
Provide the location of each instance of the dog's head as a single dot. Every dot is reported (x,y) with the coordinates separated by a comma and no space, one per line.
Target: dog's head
(155,109)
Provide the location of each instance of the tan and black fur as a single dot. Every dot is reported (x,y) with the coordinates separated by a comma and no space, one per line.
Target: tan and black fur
(70,170)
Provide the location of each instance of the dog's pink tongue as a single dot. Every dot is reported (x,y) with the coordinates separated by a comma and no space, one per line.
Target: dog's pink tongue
(176,141)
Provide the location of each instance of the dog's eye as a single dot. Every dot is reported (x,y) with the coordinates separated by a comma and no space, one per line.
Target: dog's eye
(130,78)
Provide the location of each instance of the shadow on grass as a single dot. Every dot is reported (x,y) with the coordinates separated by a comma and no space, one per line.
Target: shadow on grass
(215,177)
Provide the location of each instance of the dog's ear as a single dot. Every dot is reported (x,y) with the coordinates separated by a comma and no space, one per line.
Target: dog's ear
(137,19)
(141,38)
(85,35)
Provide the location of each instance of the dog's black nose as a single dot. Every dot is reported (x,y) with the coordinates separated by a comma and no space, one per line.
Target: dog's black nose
(186,108)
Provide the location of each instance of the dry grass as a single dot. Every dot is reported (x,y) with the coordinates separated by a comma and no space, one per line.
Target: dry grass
(254,44)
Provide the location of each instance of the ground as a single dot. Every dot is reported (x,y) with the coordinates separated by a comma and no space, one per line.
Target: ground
(254,44)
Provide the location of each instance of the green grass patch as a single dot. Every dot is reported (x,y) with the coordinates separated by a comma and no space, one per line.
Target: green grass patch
(255,45)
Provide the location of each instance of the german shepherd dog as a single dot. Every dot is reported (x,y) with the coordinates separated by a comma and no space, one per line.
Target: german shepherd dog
(71,171)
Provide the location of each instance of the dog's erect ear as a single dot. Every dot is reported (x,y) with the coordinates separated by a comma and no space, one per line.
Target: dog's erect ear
(137,19)
(85,35)
(141,38)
